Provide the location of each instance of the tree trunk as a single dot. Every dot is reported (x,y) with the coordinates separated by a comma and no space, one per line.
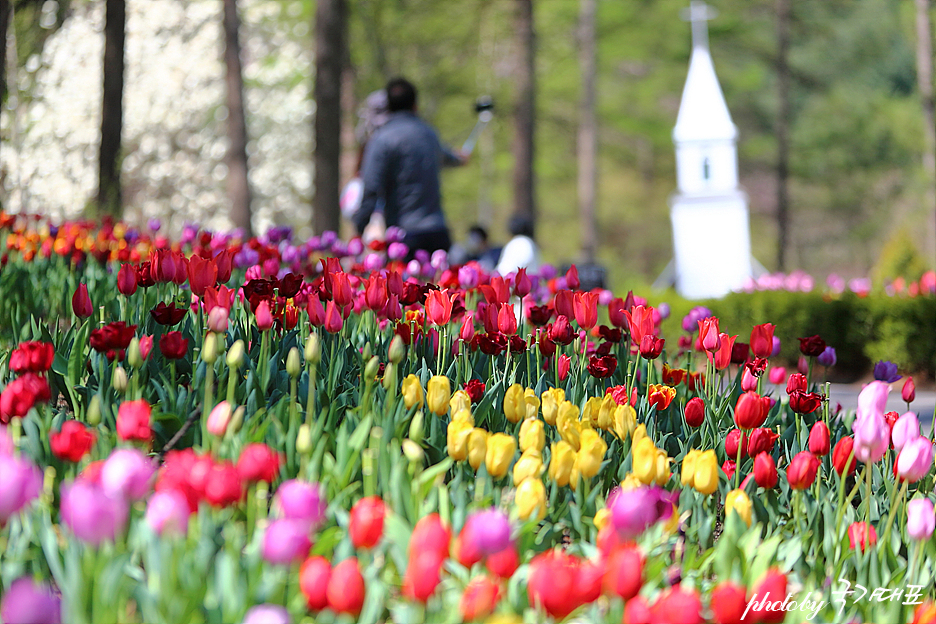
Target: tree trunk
(524,181)
(783,132)
(330,20)
(587,132)
(6,7)
(238,185)
(924,53)
(115,25)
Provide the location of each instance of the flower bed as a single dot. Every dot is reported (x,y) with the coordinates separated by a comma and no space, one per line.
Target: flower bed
(234,434)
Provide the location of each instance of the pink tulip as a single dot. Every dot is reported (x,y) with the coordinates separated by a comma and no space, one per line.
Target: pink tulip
(21,483)
(921,519)
(219,418)
(286,541)
(333,320)
(906,428)
(91,514)
(27,602)
(915,460)
(872,437)
(298,500)
(167,512)
(264,316)
(873,399)
(467,331)
(127,473)
(748,381)
(777,375)
(218,320)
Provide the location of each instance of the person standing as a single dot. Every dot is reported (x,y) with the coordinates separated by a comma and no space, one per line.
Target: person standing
(401,167)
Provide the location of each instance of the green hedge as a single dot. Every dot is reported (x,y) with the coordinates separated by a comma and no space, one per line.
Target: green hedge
(863,330)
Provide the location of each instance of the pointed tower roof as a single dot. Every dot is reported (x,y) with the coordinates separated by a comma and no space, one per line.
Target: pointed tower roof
(703,113)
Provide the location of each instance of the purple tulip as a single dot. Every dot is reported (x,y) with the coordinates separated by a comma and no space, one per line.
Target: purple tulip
(489,531)
(21,482)
(422,255)
(127,473)
(886,372)
(906,428)
(827,358)
(290,255)
(189,233)
(298,500)
(246,257)
(286,541)
(92,515)
(921,519)
(397,251)
(27,602)
(915,460)
(836,283)
(355,247)
(373,262)
(328,239)
(267,614)
(413,268)
(439,260)
(690,322)
(872,437)
(154,224)
(167,512)
(633,511)
(663,309)
(776,347)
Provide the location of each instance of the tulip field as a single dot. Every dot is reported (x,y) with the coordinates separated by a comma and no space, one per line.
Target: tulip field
(200,428)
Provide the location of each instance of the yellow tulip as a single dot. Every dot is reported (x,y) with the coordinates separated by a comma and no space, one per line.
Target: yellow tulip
(602,518)
(438,393)
(500,452)
(531,403)
(504,619)
(630,482)
(625,421)
(575,475)
(591,454)
(673,523)
(570,430)
(551,400)
(457,437)
(477,447)
(606,413)
(464,415)
(590,411)
(706,472)
(529,466)
(561,462)
(532,434)
(412,391)
(738,501)
(687,475)
(567,411)
(514,405)
(662,468)
(460,401)
(640,431)
(531,499)
(645,460)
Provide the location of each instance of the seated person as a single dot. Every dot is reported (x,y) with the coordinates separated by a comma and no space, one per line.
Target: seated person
(521,251)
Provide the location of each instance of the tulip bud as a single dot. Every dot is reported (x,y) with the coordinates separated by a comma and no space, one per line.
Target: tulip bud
(134,356)
(313,349)
(235,355)
(738,501)
(532,435)
(367,352)
(417,427)
(218,319)
(390,377)
(397,350)
(695,412)
(304,440)
(530,499)
(438,394)
(93,415)
(371,369)
(413,451)
(477,447)
(908,392)
(219,419)
(293,365)
(819,443)
(209,351)
(119,379)
(237,420)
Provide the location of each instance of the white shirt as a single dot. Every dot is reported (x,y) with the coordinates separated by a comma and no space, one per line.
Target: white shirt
(520,253)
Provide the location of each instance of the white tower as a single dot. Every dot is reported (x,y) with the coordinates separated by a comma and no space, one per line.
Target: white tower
(711,235)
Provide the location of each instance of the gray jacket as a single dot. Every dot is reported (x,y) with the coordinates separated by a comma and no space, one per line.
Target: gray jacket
(401,166)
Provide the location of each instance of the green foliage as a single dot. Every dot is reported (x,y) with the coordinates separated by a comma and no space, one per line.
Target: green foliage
(900,257)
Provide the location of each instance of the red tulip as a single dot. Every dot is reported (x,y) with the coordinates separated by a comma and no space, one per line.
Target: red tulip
(721,357)
(616,312)
(765,471)
(73,442)
(346,588)
(840,456)
(819,443)
(133,421)
(439,306)
(553,583)
(624,573)
(422,574)
(729,468)
(264,316)
(602,367)
(181,269)
(695,412)
(761,440)
(762,340)
(313,582)
(522,284)
(637,611)
(173,346)
(769,589)
(504,563)
(316,311)
(677,605)
(585,308)
(861,535)
(465,549)
(805,402)
(479,599)
(467,331)
(333,319)
(202,273)
(539,315)
(223,485)
(81,302)
(506,319)
(751,410)
(709,337)
(640,322)
(126,280)
(341,289)
(908,392)
(375,293)
(565,363)
(802,470)
(732,441)
(475,390)
(729,603)
(32,357)
(560,331)
(168,315)
(651,347)
(258,462)
(572,278)
(224,264)
(430,534)
(366,522)
(812,346)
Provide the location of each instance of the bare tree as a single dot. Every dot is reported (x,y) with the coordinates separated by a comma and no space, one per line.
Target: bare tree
(115,26)
(587,132)
(524,180)
(330,26)
(782,130)
(924,54)
(238,185)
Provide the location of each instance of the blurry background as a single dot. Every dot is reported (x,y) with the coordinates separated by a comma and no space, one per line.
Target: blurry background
(836,81)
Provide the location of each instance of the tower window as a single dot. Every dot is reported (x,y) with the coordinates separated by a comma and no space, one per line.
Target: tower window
(706,169)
